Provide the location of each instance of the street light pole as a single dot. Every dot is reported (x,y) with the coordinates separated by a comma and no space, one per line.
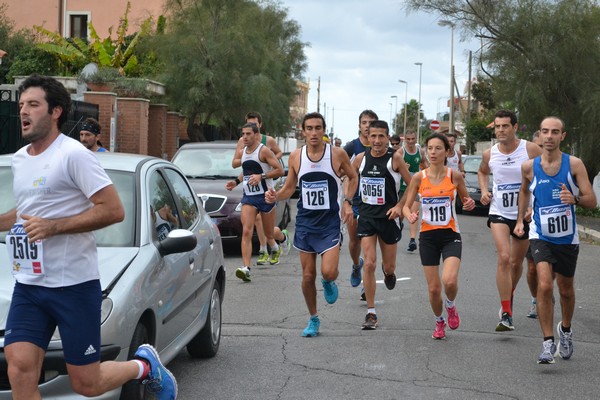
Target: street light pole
(395,115)
(451,25)
(420,64)
(405,103)
(390,111)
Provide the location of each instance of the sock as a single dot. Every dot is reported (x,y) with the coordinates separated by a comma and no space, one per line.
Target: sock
(439,319)
(533,300)
(275,248)
(506,307)
(564,328)
(372,311)
(449,303)
(549,338)
(263,249)
(247,266)
(143,369)
(316,316)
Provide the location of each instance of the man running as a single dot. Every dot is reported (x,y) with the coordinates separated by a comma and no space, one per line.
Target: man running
(380,168)
(318,167)
(454,158)
(504,161)
(558,182)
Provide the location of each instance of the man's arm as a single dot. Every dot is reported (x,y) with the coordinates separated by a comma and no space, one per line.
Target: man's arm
(461,165)
(106,210)
(7,220)
(272,144)
(483,177)
(345,168)
(424,161)
(288,189)
(524,196)
(587,197)
(237,157)
(533,150)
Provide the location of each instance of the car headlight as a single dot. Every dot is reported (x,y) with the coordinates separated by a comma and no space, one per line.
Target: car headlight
(471,190)
(238,208)
(105,310)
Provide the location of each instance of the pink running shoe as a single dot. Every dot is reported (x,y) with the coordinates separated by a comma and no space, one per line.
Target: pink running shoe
(439,332)
(453,318)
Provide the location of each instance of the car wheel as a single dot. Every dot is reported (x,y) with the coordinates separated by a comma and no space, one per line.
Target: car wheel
(285,217)
(134,390)
(206,343)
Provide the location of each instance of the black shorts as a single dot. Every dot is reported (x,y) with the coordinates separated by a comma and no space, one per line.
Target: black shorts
(562,257)
(439,242)
(387,229)
(496,219)
(528,255)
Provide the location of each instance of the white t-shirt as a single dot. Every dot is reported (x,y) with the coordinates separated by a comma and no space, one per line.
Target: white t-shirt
(56,184)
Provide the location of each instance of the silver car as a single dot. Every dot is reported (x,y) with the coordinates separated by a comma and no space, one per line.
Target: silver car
(163,283)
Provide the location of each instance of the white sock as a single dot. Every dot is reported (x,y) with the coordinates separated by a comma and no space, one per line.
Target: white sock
(274,248)
(449,303)
(140,364)
(371,311)
(263,249)
(439,319)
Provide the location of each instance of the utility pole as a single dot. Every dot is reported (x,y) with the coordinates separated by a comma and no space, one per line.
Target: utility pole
(319,94)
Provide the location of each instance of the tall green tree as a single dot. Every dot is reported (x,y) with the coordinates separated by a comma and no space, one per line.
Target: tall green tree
(540,56)
(412,108)
(224,58)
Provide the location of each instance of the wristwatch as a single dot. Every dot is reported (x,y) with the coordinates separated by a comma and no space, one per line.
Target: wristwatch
(348,200)
(263,176)
(577,198)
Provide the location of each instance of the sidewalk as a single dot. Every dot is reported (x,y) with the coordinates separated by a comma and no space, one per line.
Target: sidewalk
(589,229)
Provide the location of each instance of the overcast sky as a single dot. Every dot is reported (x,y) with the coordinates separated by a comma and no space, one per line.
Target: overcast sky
(360,49)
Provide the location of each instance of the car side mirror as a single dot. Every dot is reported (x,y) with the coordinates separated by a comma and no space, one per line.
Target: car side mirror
(177,241)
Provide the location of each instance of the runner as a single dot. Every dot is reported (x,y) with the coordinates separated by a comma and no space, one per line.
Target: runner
(504,161)
(440,236)
(318,168)
(454,159)
(558,182)
(381,168)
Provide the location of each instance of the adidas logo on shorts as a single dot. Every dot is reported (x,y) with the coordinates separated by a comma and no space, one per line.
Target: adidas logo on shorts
(90,350)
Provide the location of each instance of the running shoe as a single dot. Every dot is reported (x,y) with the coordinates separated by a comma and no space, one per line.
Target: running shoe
(453,318)
(412,245)
(312,329)
(370,322)
(263,257)
(389,280)
(159,380)
(363,296)
(275,255)
(565,346)
(533,309)
(287,245)
(330,291)
(440,330)
(505,323)
(243,273)
(356,275)
(548,352)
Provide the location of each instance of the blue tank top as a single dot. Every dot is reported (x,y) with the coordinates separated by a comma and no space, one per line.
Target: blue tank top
(320,194)
(553,221)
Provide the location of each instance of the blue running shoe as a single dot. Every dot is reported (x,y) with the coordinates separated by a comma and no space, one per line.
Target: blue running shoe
(356,275)
(330,290)
(548,352)
(159,381)
(312,329)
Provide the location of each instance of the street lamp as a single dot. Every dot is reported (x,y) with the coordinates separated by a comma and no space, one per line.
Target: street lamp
(390,111)
(451,25)
(395,115)
(420,64)
(405,103)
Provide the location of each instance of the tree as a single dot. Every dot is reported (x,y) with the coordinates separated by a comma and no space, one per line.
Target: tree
(541,57)
(238,55)
(411,115)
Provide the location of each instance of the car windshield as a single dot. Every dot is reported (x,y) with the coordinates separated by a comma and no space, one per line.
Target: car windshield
(117,235)
(206,163)
(472,164)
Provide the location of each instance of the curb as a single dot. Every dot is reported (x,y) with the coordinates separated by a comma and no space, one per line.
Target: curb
(589,234)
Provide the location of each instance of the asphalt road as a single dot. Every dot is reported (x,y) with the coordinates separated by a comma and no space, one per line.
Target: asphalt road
(263,356)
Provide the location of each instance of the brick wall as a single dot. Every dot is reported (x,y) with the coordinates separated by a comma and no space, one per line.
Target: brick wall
(157,130)
(172,136)
(132,125)
(106,102)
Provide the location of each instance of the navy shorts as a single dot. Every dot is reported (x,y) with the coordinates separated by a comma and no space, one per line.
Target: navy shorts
(310,242)
(439,242)
(562,257)
(511,223)
(386,229)
(259,203)
(36,311)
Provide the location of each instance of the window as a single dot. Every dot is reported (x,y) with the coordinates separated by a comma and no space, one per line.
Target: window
(79,26)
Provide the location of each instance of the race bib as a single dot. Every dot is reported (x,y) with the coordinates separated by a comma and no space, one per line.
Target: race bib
(25,257)
(252,190)
(556,221)
(436,210)
(372,191)
(507,196)
(315,195)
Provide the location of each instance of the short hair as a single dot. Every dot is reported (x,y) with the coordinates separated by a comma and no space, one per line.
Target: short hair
(313,115)
(395,137)
(380,124)
(562,123)
(253,114)
(368,113)
(91,125)
(440,136)
(507,114)
(410,132)
(451,134)
(56,94)
(251,125)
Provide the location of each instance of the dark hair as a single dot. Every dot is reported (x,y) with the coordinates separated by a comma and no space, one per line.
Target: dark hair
(251,125)
(451,134)
(311,116)
(56,94)
(507,114)
(440,136)
(253,114)
(380,124)
(91,125)
(368,113)
(562,123)
(395,137)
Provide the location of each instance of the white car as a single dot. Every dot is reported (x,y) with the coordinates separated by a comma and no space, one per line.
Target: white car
(162,284)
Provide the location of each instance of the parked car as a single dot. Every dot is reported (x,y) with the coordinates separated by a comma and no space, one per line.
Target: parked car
(285,160)
(164,287)
(207,165)
(471,164)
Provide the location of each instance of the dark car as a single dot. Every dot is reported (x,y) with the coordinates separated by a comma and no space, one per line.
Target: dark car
(285,161)
(471,164)
(207,165)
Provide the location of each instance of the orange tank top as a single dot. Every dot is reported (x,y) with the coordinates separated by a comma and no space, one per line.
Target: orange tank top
(437,203)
